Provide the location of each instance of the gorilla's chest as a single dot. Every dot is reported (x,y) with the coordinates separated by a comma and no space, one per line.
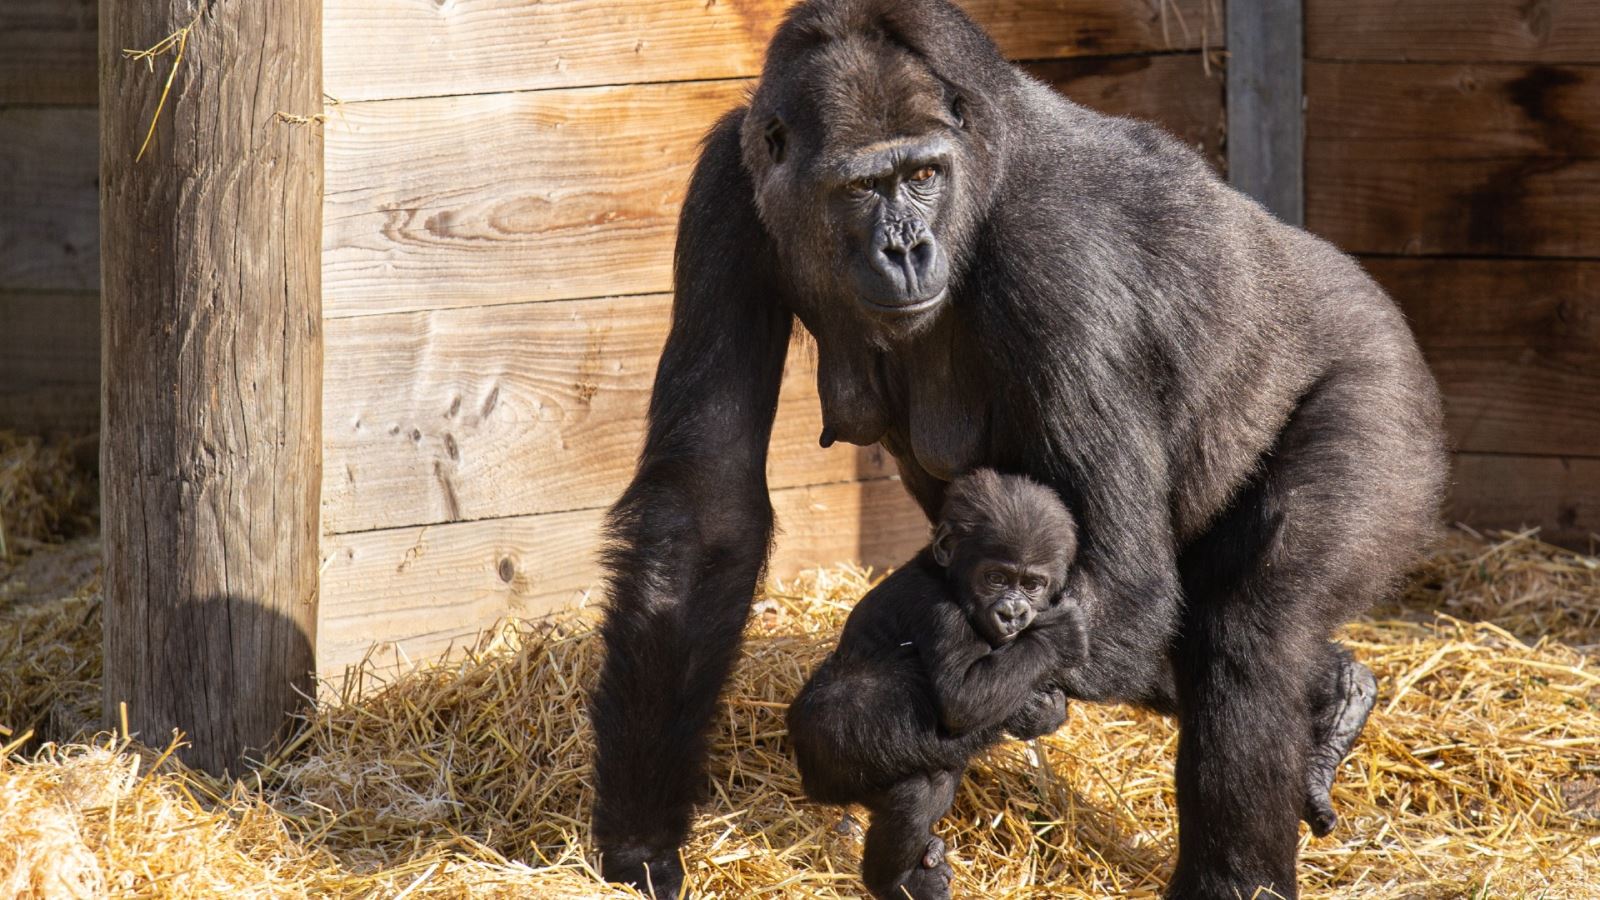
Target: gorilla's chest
(924,401)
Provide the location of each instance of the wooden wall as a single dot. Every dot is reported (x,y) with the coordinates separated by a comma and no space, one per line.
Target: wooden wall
(1455,146)
(503,182)
(49,217)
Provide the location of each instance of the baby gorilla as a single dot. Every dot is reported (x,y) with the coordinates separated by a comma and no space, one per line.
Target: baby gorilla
(934,665)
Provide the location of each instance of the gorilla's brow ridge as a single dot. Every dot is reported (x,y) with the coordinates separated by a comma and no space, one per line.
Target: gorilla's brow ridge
(888,155)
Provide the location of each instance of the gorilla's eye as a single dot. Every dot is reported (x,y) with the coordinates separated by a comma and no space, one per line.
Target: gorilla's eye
(862,185)
(1032,585)
(996,579)
(924,174)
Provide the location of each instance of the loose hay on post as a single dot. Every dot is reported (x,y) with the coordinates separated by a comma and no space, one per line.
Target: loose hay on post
(1478,776)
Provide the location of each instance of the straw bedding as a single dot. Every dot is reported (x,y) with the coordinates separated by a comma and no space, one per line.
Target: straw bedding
(1478,776)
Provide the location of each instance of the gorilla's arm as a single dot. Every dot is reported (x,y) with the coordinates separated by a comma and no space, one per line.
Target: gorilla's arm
(978,686)
(691,533)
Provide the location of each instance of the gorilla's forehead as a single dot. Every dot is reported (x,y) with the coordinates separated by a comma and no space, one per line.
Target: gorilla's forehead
(867,91)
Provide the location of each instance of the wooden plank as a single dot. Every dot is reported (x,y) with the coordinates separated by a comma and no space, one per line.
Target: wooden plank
(50,362)
(1454,30)
(1266,122)
(1561,495)
(465,201)
(1541,305)
(511,410)
(1455,159)
(1515,345)
(462,201)
(47,52)
(1174,90)
(427,589)
(386,49)
(49,166)
(1519,400)
(211,449)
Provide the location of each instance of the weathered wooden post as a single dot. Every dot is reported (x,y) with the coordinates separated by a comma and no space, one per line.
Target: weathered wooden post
(212,367)
(1266,104)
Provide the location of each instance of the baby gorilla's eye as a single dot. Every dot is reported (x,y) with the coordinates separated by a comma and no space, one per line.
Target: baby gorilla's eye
(1033,585)
(996,579)
(924,173)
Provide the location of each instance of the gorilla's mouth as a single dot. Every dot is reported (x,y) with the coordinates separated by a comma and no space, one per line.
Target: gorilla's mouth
(909,307)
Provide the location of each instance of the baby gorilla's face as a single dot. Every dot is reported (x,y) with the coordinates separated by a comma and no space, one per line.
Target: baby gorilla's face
(1005,597)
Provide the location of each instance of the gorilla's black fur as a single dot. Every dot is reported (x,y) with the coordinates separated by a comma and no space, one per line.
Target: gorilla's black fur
(957,647)
(1235,412)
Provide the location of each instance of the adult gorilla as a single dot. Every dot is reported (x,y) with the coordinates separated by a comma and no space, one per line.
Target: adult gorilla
(996,276)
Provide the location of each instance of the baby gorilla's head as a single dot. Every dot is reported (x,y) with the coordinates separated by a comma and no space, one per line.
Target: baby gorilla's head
(1007,542)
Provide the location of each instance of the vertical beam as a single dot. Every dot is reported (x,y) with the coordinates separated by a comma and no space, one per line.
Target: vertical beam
(211,450)
(1266,109)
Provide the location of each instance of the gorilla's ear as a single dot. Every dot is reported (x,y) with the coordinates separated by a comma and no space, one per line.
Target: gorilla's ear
(777,139)
(944,545)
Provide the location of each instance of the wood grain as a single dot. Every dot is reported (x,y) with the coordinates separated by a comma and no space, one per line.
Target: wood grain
(213,375)
(1454,159)
(1560,495)
(463,201)
(50,362)
(1520,400)
(1174,90)
(424,590)
(1546,31)
(47,52)
(510,410)
(49,160)
(1515,345)
(386,49)
(1543,305)
(466,201)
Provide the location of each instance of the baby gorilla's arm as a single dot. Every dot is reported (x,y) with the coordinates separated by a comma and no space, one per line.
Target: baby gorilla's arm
(978,686)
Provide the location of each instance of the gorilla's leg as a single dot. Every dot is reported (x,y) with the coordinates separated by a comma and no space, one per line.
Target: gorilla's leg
(1341,700)
(1339,509)
(902,855)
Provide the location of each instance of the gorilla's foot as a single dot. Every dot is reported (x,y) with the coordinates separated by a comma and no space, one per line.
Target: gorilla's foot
(658,874)
(1357,693)
(931,880)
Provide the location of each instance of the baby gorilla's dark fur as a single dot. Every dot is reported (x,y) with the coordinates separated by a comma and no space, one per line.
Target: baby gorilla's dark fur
(934,665)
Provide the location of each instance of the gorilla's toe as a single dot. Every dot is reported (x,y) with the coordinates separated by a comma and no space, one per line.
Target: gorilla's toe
(933,856)
(930,882)
(1319,814)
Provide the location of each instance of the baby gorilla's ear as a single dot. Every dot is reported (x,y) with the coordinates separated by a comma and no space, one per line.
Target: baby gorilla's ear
(944,545)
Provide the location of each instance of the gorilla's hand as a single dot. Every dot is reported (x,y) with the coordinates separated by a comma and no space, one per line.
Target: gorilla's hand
(1061,624)
(1043,713)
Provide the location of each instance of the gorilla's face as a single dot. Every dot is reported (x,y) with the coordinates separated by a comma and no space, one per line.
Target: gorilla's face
(862,162)
(887,199)
(1003,596)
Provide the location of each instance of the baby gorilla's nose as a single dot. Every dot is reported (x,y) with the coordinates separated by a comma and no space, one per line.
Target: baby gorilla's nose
(1011,615)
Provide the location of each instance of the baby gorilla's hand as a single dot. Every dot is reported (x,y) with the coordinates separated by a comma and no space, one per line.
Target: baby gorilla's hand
(1061,626)
(1043,713)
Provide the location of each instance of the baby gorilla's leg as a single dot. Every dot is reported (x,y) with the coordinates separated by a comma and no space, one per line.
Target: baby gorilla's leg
(1340,705)
(902,856)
